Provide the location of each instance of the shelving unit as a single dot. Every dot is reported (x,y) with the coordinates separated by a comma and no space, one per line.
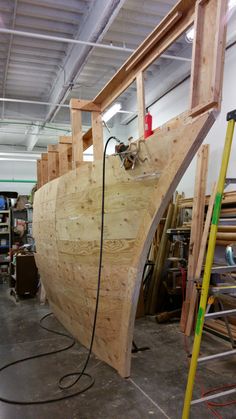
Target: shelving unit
(5,243)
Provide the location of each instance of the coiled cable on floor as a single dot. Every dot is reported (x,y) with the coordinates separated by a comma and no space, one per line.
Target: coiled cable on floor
(82,373)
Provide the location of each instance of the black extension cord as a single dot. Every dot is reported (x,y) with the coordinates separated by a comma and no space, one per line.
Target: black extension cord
(81,373)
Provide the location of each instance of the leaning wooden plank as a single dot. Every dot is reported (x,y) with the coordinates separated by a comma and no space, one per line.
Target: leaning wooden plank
(196,227)
(70,235)
(194,294)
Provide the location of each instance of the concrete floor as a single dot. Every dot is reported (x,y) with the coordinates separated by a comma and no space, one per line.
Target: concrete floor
(154,390)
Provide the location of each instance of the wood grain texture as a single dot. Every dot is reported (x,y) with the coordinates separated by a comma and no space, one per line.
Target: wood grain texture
(97,133)
(196,228)
(66,227)
(39,180)
(141,103)
(201,256)
(198,213)
(77,137)
(65,158)
(207,65)
(53,162)
(179,19)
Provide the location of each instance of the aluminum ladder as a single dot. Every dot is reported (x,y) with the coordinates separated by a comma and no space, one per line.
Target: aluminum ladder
(231,118)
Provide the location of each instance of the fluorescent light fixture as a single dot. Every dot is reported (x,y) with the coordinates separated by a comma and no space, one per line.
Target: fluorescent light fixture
(36,156)
(189,36)
(14,159)
(231,4)
(111,112)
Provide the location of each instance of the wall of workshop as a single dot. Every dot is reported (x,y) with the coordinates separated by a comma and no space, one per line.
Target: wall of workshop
(177,101)
(17,170)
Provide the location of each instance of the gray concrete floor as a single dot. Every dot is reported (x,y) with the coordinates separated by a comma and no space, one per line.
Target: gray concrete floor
(155,389)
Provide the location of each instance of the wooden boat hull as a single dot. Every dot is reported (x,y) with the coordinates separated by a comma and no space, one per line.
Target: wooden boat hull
(66,227)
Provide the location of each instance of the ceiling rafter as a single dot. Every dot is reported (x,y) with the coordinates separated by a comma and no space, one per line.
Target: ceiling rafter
(9,54)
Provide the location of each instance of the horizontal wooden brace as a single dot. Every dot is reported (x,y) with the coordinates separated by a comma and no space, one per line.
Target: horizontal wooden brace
(44,156)
(65,139)
(203,108)
(179,19)
(84,105)
(157,37)
(52,148)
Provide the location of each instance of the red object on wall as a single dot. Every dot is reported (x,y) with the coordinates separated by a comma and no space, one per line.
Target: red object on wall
(148,125)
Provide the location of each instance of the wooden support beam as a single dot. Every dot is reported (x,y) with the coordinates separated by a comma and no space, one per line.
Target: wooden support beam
(39,182)
(196,227)
(97,130)
(207,64)
(44,168)
(87,139)
(141,103)
(84,105)
(148,44)
(65,139)
(53,162)
(179,19)
(65,158)
(65,154)
(77,137)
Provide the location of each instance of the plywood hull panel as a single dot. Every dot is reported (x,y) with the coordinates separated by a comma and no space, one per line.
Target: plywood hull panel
(67,214)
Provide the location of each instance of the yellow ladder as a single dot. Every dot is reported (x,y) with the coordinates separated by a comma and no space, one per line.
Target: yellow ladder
(231,118)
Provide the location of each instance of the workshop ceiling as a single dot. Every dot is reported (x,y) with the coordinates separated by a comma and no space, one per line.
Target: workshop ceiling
(52,72)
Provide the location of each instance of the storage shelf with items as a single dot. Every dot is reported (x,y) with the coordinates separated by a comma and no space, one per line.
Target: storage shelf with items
(5,243)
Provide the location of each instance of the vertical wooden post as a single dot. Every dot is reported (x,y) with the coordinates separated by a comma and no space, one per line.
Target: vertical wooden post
(39,174)
(44,168)
(53,162)
(77,137)
(65,155)
(97,132)
(141,103)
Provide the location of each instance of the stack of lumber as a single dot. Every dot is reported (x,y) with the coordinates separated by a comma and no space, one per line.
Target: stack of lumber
(219,327)
(227,225)
(229,199)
